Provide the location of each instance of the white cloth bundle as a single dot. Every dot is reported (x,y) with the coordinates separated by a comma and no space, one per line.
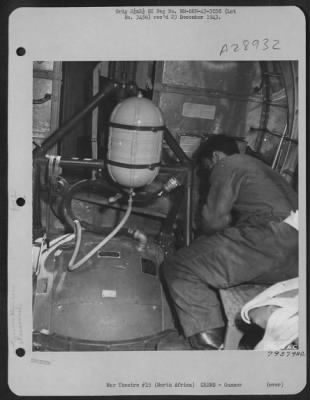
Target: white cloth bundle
(292,219)
(282,325)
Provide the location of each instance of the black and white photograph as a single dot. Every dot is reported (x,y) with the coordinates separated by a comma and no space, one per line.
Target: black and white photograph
(165,200)
(158,195)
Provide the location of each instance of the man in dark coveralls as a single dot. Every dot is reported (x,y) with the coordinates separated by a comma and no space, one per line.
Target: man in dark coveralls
(245,240)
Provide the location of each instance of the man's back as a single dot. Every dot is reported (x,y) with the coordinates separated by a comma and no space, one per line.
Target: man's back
(256,188)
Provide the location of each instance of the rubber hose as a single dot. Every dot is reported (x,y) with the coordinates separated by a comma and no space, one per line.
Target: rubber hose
(72,266)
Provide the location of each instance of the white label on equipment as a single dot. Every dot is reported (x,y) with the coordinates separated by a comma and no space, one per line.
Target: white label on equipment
(109,293)
(193,110)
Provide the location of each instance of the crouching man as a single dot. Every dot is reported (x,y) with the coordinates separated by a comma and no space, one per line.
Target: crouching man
(244,240)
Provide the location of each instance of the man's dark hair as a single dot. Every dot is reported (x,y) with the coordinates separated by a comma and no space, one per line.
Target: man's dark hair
(219,142)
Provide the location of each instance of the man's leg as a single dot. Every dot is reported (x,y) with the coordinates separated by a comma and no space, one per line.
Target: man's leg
(197,304)
(259,255)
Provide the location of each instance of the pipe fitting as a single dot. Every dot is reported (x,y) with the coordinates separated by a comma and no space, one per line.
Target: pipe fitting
(140,236)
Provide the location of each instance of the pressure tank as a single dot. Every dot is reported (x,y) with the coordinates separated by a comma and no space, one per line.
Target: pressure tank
(135,142)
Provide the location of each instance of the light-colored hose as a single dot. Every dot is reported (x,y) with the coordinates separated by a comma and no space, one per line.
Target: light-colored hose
(78,238)
(71,265)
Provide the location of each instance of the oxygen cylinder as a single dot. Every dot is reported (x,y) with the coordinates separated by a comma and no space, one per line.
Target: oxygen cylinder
(135,142)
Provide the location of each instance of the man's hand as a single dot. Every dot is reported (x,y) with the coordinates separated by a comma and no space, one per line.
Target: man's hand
(214,222)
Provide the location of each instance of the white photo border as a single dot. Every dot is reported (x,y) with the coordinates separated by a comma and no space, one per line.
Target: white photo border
(92,34)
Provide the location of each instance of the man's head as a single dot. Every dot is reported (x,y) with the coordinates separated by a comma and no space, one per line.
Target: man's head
(214,149)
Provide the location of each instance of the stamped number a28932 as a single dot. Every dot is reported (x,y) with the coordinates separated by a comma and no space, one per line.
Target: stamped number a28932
(246,45)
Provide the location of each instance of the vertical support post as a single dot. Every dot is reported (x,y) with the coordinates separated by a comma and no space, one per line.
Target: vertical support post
(36,207)
(187,162)
(188,207)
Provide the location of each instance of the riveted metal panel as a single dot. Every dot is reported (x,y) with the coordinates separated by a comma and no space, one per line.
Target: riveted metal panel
(111,298)
(218,97)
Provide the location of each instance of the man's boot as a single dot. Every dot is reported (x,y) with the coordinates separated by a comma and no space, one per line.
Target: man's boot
(211,339)
(173,341)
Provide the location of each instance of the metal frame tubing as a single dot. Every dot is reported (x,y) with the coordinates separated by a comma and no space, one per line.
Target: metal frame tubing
(66,128)
(176,148)
(76,162)
(40,152)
